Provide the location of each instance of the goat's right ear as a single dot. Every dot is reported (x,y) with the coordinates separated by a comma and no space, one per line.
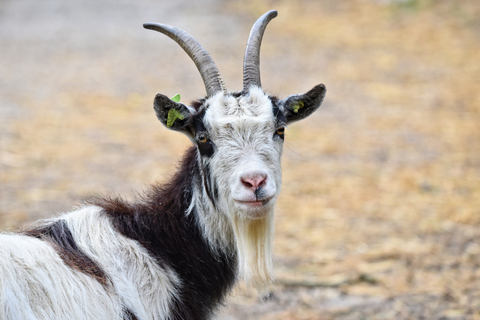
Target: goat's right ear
(174,115)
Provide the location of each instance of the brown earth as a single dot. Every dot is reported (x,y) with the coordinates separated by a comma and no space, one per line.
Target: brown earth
(380,208)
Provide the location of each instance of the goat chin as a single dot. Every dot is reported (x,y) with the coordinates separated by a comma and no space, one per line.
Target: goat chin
(254,242)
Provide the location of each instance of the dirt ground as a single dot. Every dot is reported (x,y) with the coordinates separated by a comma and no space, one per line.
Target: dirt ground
(380,207)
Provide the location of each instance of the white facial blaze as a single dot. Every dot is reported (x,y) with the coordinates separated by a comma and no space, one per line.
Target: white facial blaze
(246,168)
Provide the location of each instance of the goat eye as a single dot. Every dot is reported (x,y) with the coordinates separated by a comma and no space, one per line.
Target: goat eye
(202,139)
(281,131)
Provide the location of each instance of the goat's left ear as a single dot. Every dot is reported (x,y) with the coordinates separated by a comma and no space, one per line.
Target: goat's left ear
(174,115)
(299,106)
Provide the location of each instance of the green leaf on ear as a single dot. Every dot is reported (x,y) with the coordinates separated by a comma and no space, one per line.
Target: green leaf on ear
(299,105)
(176,98)
(173,115)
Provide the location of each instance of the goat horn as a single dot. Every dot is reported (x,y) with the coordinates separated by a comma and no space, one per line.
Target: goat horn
(251,60)
(205,64)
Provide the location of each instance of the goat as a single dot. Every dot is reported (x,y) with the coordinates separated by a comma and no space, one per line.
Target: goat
(176,251)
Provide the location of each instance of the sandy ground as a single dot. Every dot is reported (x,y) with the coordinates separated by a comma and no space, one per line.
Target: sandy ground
(380,207)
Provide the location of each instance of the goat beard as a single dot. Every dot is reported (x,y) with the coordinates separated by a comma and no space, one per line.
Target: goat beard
(254,242)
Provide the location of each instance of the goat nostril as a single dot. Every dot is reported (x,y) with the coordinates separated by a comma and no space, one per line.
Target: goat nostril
(246,183)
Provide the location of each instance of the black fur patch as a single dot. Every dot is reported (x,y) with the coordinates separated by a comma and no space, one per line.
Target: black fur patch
(210,187)
(238,94)
(206,149)
(280,120)
(198,121)
(197,104)
(215,189)
(260,193)
(60,237)
(277,113)
(129,315)
(158,222)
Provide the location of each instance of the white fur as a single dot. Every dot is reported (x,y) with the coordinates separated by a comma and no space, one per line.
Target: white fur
(37,284)
(243,132)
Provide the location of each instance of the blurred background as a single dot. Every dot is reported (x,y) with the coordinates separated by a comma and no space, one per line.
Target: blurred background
(380,207)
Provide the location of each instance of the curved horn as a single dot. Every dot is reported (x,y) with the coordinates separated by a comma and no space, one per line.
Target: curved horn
(205,65)
(251,61)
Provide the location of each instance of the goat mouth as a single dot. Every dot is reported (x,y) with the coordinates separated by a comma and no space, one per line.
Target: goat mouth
(254,204)
(251,203)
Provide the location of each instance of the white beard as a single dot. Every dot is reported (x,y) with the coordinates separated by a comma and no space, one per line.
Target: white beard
(254,242)
(252,239)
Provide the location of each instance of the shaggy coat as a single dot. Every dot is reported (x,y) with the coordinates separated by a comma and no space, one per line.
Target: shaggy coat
(176,251)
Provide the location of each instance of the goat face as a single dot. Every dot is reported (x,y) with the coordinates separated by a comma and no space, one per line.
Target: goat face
(239,138)
(243,151)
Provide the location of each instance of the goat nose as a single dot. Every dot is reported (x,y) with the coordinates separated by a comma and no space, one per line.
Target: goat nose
(253,182)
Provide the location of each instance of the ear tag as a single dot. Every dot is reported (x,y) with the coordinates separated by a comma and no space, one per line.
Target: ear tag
(299,105)
(173,115)
(176,98)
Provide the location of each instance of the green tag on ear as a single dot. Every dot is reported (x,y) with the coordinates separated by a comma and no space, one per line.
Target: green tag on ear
(299,105)
(173,115)
(176,97)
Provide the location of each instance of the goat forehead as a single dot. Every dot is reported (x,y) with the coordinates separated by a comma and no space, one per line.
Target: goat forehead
(251,110)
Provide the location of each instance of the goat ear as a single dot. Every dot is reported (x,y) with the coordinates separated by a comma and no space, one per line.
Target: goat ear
(174,115)
(299,106)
